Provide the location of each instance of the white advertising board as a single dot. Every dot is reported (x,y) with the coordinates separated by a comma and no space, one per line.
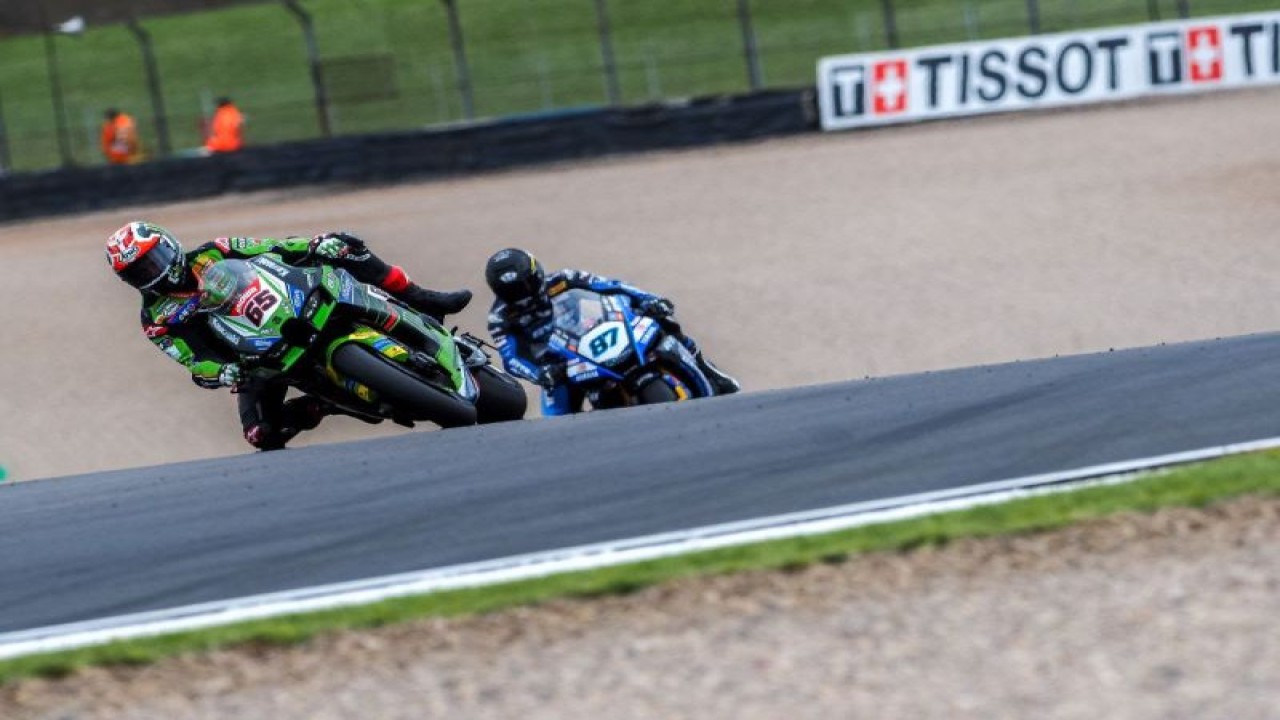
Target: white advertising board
(1072,68)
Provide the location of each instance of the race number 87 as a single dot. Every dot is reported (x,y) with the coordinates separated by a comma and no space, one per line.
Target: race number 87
(603,342)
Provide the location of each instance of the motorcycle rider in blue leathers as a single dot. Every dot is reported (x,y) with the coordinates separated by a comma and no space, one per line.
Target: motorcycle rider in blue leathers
(520,322)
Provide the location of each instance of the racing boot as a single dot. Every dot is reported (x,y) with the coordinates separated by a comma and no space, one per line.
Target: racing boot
(724,383)
(395,280)
(433,302)
(304,413)
(296,415)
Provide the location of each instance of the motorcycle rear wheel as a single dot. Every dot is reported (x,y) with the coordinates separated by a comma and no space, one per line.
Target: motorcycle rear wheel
(407,393)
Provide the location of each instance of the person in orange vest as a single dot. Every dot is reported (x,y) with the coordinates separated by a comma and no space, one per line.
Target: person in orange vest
(226,130)
(120,138)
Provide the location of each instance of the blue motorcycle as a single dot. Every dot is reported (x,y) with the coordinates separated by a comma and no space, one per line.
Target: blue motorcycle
(620,358)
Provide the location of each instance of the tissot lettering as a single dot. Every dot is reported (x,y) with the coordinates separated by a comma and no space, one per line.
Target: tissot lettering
(1032,64)
(1087,66)
(1078,55)
(993,75)
(1275,48)
(1109,47)
(1245,33)
(991,67)
(930,65)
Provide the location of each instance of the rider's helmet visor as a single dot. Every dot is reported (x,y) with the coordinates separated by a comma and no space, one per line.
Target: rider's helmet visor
(151,267)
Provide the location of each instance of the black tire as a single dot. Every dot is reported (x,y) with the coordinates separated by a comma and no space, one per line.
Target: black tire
(501,398)
(410,395)
(656,391)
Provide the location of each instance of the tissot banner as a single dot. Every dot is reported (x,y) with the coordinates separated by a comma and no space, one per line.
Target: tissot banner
(1071,68)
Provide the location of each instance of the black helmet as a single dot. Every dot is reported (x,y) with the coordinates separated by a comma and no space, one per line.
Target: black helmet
(514,275)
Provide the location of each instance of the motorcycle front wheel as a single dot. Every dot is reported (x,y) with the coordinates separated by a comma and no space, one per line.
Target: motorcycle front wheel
(401,389)
(656,391)
(501,396)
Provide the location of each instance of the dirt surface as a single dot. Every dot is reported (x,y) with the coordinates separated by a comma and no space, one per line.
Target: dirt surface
(859,254)
(1164,616)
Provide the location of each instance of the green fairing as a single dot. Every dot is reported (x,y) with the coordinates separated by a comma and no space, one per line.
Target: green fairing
(447,356)
(282,247)
(285,249)
(256,299)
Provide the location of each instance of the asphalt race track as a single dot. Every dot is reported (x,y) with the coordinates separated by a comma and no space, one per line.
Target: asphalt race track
(92,546)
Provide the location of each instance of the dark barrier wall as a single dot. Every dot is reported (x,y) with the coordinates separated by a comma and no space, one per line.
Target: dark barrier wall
(505,143)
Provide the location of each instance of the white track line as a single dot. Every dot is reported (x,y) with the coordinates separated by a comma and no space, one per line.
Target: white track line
(586,557)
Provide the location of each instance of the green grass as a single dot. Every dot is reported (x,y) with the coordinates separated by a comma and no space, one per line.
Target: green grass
(1195,486)
(525,56)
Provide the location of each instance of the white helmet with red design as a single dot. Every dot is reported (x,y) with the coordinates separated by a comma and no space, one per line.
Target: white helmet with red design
(146,256)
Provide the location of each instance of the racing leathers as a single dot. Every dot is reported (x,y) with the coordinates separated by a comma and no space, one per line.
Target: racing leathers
(520,331)
(170,322)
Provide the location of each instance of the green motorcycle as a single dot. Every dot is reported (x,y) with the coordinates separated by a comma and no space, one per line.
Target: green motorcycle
(353,345)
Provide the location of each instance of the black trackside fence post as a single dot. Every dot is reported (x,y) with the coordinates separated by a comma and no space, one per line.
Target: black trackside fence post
(751,52)
(55,85)
(1184,9)
(612,92)
(317,71)
(890,23)
(1033,16)
(153,85)
(458,43)
(1153,10)
(6,163)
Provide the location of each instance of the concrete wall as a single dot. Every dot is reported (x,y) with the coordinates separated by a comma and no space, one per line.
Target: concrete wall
(388,157)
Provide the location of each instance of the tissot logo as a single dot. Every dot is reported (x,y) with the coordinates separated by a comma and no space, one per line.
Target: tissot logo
(1071,68)
(1204,55)
(890,87)
(888,93)
(1195,54)
(848,90)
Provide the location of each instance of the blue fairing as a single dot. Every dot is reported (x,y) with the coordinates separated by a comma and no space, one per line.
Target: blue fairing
(557,402)
(646,338)
(556,345)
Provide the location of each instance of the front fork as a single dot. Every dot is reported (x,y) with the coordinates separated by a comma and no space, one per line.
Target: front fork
(674,354)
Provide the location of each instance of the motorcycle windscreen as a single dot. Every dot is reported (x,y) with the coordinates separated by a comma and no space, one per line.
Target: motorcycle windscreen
(578,311)
(222,282)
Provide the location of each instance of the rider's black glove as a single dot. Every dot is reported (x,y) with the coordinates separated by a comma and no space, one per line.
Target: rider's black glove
(550,376)
(657,308)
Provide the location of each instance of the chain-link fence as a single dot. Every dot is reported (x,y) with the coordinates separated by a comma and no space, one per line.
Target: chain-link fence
(306,68)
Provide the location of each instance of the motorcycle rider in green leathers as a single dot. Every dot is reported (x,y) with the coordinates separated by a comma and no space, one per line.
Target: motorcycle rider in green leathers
(150,259)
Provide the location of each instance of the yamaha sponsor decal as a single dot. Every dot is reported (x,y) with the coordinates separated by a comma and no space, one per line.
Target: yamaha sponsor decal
(1049,70)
